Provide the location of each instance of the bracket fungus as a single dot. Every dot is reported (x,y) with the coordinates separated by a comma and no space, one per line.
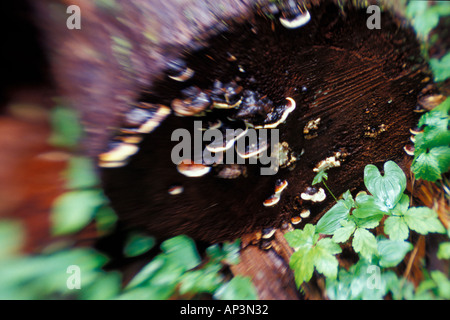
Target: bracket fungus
(299,67)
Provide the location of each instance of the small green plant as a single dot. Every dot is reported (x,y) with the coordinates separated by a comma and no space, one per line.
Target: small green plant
(432,151)
(352,220)
(179,270)
(312,252)
(432,146)
(321,177)
(425,16)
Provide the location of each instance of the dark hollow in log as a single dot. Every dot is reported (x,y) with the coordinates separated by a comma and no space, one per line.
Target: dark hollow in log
(363,85)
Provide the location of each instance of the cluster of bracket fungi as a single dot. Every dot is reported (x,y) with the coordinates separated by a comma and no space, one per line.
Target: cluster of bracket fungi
(228,103)
(226,106)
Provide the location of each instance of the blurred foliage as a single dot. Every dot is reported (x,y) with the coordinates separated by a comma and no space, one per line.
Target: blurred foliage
(137,244)
(177,271)
(349,222)
(432,146)
(425,15)
(66,128)
(45,275)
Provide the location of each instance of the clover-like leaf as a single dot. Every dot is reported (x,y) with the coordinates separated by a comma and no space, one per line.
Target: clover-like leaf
(301,238)
(423,220)
(396,228)
(302,265)
(310,253)
(388,188)
(430,164)
(365,243)
(324,257)
(345,232)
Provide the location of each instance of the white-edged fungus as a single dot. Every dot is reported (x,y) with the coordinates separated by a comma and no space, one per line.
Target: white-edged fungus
(409,149)
(175,190)
(272,200)
(296,22)
(191,169)
(314,195)
(119,152)
(288,109)
(305,213)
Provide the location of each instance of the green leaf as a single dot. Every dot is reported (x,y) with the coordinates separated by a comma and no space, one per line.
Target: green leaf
(444,251)
(344,233)
(158,283)
(11,238)
(106,286)
(363,281)
(232,251)
(416,8)
(437,118)
(365,243)
(324,257)
(368,206)
(339,289)
(442,155)
(239,288)
(137,244)
(368,223)
(348,199)
(311,252)
(228,253)
(423,220)
(331,220)
(146,272)
(73,210)
(105,219)
(443,284)
(181,250)
(431,137)
(203,280)
(430,165)
(441,68)
(425,22)
(392,252)
(302,263)
(432,151)
(402,206)
(66,128)
(301,238)
(81,173)
(388,188)
(396,228)
(320,177)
